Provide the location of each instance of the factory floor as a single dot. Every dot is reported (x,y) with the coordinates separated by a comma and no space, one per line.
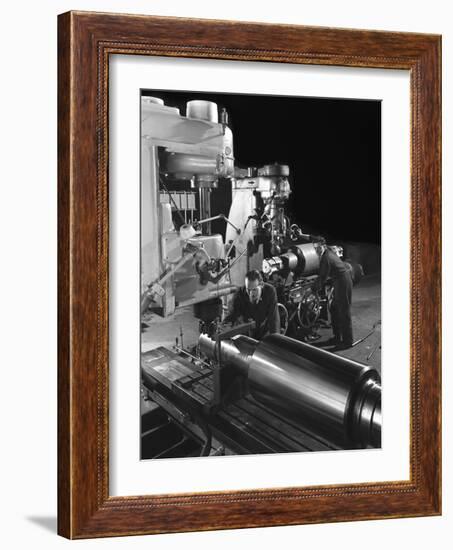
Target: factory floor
(366,318)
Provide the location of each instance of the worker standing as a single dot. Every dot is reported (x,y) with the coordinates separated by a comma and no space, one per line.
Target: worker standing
(256,301)
(331,265)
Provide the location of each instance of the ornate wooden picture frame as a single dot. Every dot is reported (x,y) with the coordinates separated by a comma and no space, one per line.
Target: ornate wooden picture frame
(85,507)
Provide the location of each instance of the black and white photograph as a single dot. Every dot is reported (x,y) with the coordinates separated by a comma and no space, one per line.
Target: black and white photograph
(226,254)
(260,274)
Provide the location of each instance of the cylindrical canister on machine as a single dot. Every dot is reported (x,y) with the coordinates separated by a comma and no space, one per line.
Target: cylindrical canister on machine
(327,393)
(202,110)
(308,258)
(301,257)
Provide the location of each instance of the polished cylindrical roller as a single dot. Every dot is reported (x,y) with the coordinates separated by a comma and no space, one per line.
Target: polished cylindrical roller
(329,394)
(235,352)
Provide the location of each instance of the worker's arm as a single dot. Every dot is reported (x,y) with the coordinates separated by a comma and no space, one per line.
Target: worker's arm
(324,271)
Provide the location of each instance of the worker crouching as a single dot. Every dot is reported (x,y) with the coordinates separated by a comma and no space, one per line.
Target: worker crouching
(256,301)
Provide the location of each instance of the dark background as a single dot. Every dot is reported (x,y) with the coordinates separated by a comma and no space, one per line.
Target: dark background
(332,147)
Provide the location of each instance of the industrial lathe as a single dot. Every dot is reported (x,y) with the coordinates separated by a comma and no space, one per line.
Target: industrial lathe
(208,388)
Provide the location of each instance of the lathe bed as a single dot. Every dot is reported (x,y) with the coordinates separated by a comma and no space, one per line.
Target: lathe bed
(185,392)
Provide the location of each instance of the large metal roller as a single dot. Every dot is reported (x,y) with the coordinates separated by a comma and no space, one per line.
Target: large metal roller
(329,394)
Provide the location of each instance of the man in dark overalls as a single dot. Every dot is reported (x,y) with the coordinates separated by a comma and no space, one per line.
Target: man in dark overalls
(331,265)
(256,301)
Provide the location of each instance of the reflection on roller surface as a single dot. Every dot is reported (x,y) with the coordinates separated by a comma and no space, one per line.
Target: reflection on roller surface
(332,394)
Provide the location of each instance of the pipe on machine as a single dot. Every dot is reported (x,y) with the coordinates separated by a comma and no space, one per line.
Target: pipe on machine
(329,394)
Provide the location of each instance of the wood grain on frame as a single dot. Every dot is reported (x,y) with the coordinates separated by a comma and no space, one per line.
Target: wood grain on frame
(85,42)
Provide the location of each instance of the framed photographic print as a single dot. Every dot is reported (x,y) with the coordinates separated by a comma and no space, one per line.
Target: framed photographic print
(249,275)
